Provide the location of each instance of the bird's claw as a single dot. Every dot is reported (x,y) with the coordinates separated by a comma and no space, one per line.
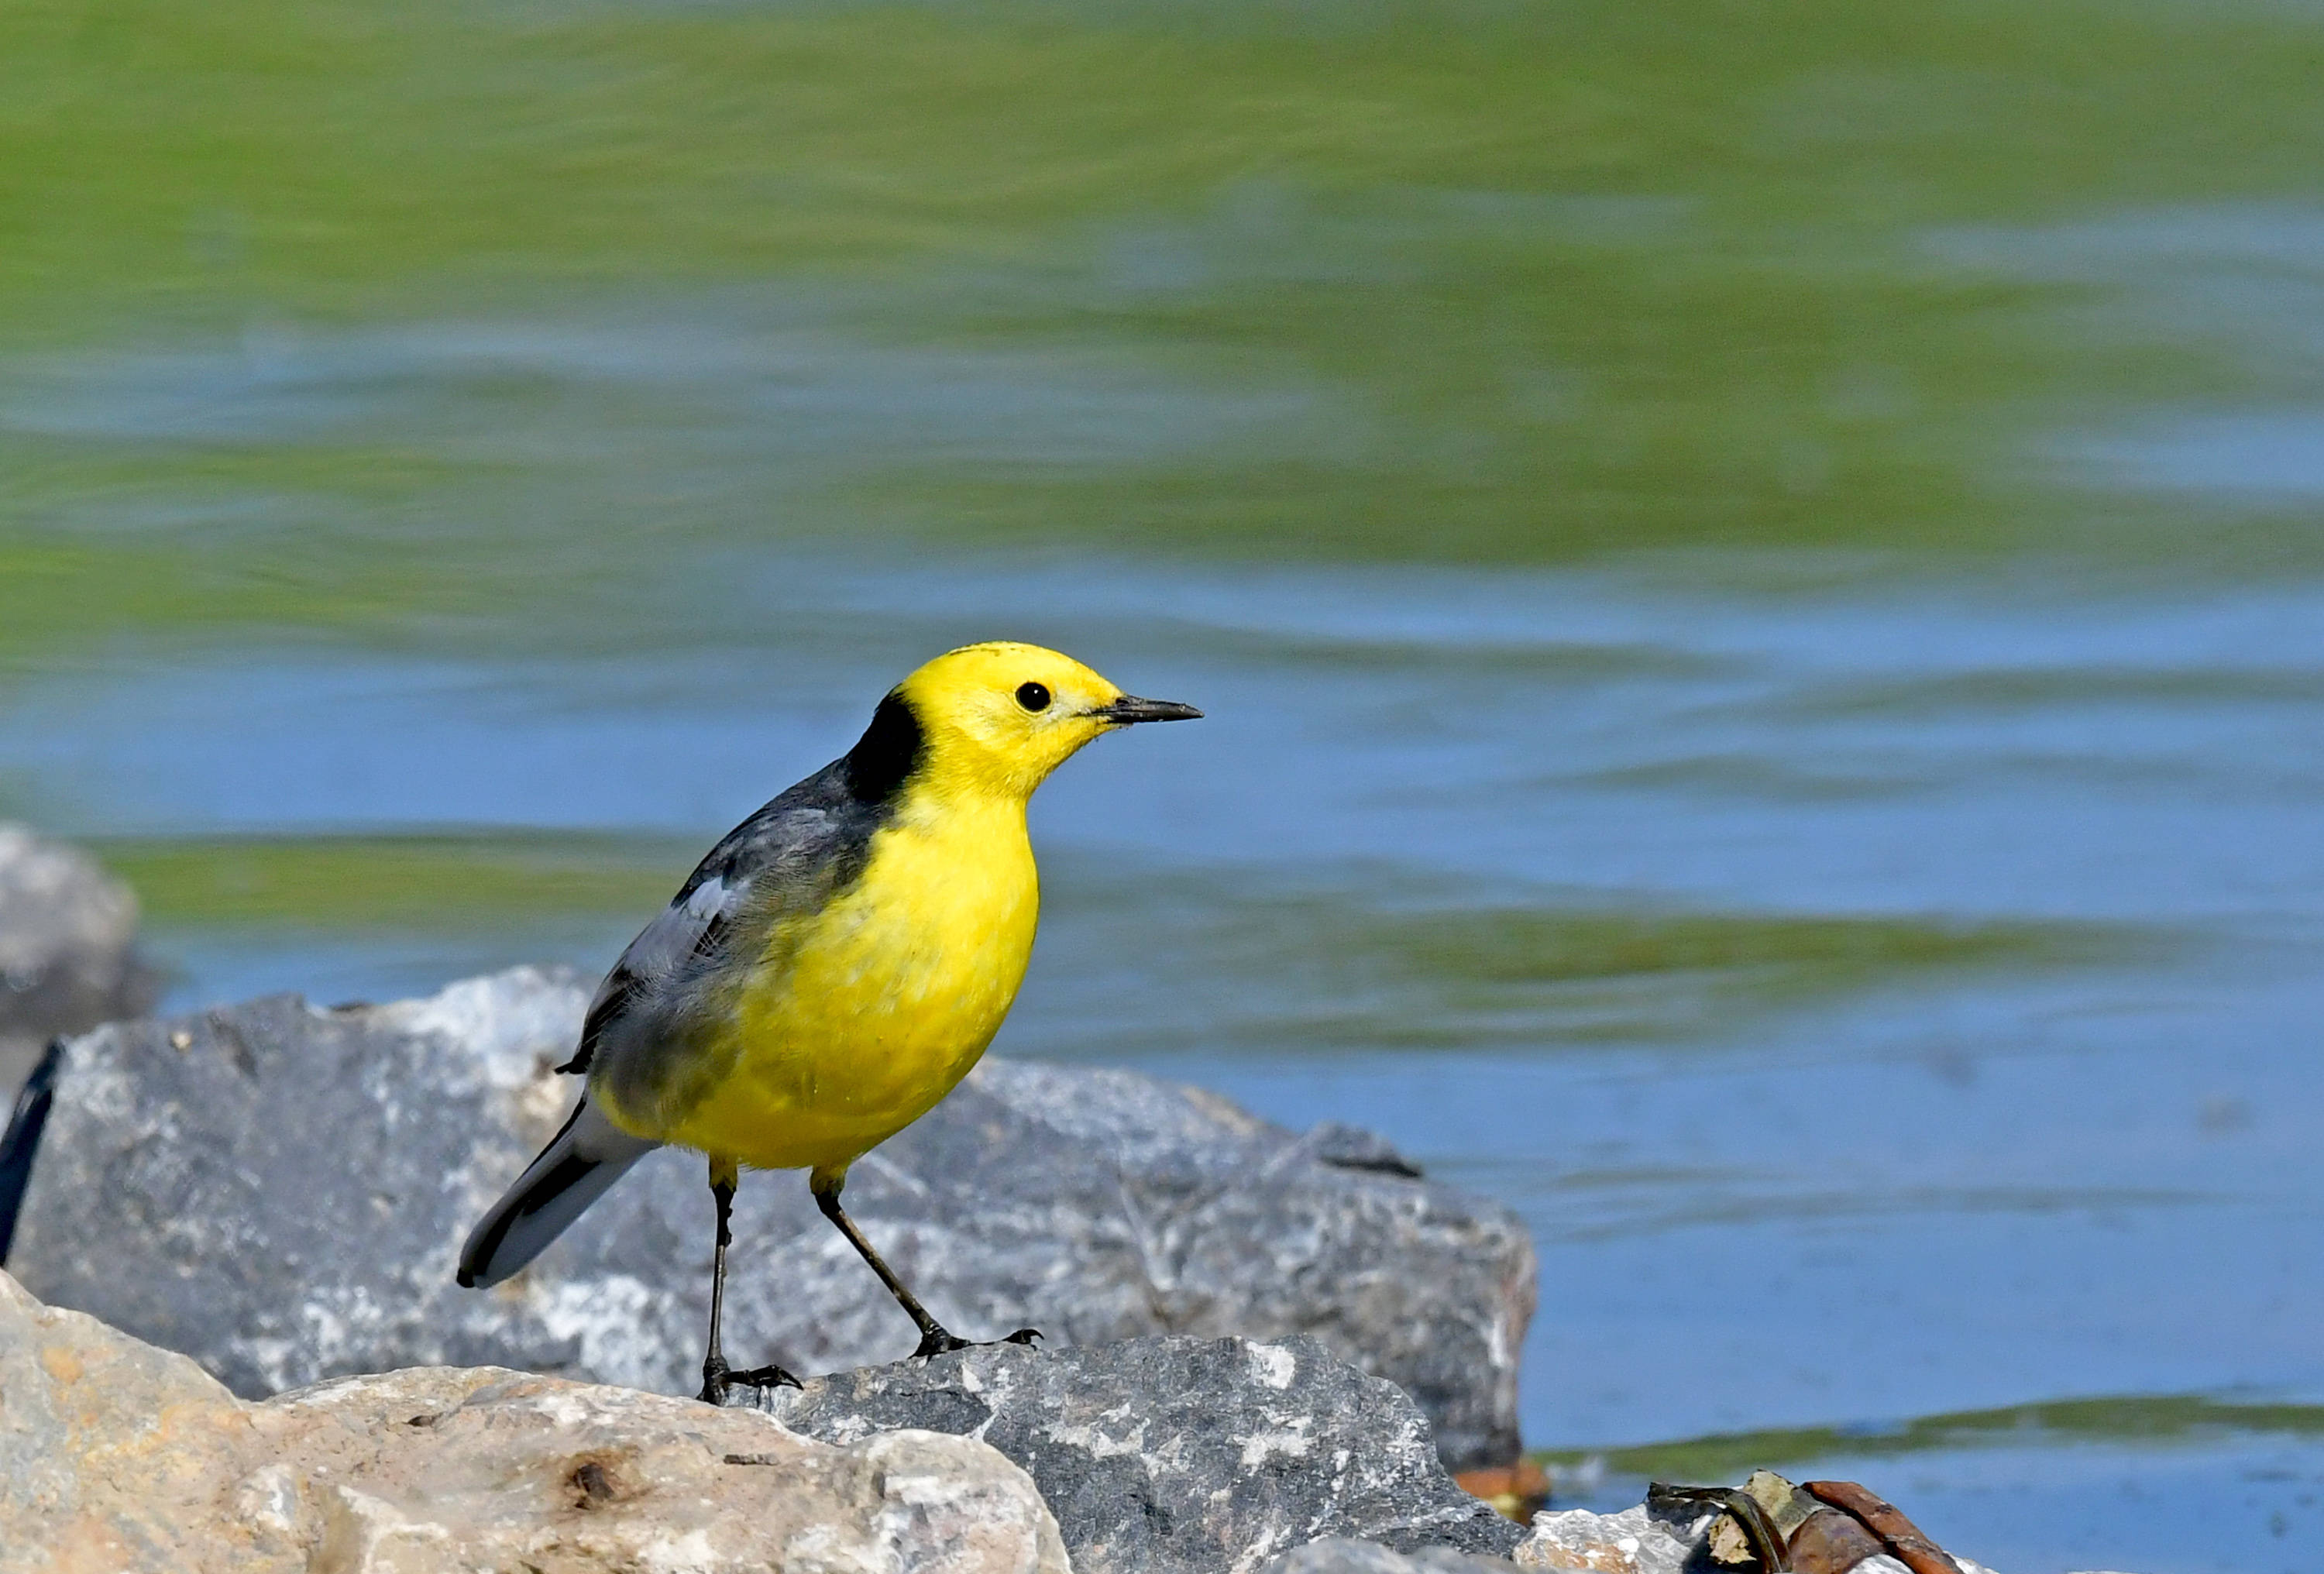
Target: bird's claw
(936,1341)
(718,1378)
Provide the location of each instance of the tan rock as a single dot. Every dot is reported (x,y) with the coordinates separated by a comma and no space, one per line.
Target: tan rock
(117,1457)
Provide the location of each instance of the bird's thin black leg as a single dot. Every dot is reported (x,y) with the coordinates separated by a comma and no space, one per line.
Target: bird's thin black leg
(934,1340)
(717,1378)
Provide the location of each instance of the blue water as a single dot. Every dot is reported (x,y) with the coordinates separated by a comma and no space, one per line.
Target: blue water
(1948,1187)
(1771,1185)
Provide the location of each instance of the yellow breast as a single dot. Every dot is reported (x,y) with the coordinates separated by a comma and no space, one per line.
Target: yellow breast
(862,1015)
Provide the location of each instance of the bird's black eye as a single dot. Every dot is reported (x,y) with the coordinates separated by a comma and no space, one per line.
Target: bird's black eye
(1033,697)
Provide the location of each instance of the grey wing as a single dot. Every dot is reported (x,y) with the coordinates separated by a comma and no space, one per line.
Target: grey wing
(692,930)
(790,857)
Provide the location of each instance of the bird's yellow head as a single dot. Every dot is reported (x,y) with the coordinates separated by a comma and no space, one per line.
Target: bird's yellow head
(998,718)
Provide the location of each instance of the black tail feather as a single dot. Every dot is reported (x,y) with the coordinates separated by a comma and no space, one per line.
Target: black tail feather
(580,1163)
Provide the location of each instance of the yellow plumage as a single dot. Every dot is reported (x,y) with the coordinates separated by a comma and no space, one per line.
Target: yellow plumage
(833,968)
(869,1012)
(856,1015)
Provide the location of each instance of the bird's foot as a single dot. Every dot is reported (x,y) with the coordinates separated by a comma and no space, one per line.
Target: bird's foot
(719,1379)
(938,1342)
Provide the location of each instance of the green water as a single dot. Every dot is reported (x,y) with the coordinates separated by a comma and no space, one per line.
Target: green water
(1499,283)
(1756,571)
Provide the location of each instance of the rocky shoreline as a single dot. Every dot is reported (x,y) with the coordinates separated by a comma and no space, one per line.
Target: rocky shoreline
(1164,1455)
(232,1342)
(278,1191)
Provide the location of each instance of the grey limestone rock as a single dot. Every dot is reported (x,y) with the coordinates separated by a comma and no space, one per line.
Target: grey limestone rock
(280,1192)
(66,948)
(1343,1555)
(1647,1539)
(1636,1541)
(1180,1455)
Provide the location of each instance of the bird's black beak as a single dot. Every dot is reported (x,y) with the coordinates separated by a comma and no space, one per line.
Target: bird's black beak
(1129,708)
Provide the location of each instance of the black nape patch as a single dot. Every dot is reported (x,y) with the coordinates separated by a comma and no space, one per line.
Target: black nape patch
(887,753)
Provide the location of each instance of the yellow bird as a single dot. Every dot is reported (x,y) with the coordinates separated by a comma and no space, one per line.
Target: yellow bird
(831,971)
